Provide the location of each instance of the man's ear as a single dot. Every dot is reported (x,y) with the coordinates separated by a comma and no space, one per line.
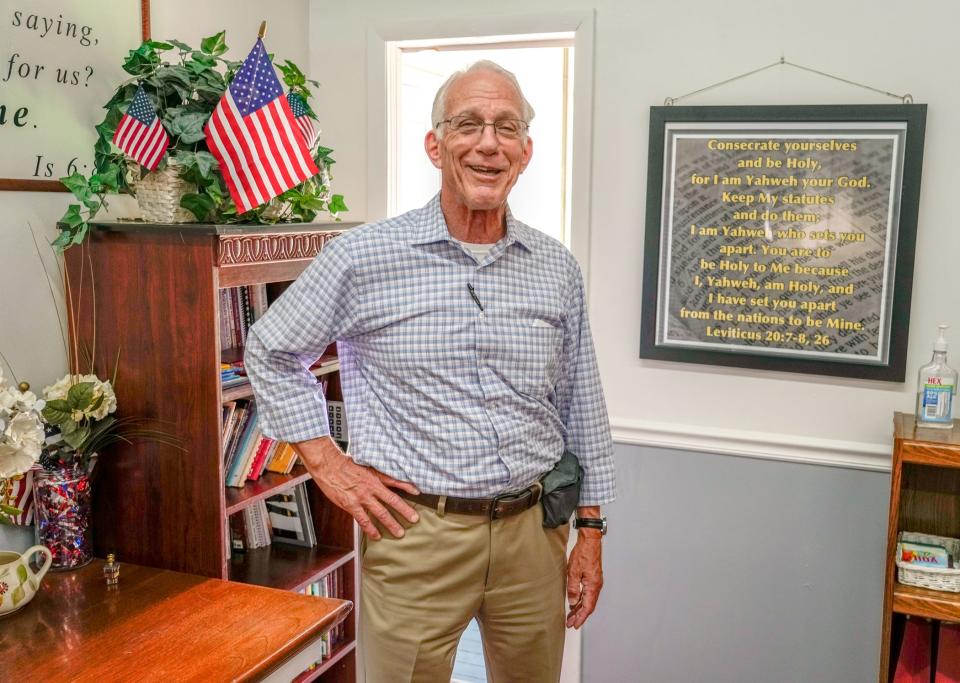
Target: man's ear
(527,154)
(431,143)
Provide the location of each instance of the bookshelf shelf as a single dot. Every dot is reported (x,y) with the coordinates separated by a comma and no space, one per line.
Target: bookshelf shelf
(924,498)
(267,485)
(930,604)
(171,339)
(339,653)
(285,566)
(241,391)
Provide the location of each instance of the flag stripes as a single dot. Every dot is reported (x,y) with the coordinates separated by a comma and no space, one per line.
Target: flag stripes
(260,153)
(140,133)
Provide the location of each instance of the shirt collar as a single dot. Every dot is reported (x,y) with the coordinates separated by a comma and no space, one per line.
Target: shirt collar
(432,227)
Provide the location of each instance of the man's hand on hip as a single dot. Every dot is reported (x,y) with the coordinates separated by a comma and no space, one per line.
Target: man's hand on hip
(361,491)
(584,572)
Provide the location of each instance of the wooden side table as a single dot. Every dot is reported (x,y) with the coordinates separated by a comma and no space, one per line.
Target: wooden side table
(158,625)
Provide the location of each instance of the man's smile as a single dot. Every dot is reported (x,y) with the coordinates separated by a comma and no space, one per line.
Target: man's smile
(486,171)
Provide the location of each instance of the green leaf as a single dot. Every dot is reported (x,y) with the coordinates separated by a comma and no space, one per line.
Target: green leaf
(10,510)
(157,45)
(214,45)
(56,416)
(63,240)
(76,438)
(22,574)
(204,60)
(122,97)
(173,72)
(187,125)
(142,61)
(72,217)
(107,127)
(77,184)
(98,402)
(80,233)
(292,75)
(17,595)
(199,205)
(80,395)
(68,426)
(336,204)
(182,46)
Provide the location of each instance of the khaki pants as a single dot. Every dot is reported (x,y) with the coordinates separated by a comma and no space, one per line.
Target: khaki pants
(420,592)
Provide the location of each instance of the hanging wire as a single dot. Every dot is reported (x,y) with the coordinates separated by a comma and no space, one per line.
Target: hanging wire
(906,98)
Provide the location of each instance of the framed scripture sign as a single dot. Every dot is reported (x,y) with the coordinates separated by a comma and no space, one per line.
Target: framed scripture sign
(62,61)
(782,237)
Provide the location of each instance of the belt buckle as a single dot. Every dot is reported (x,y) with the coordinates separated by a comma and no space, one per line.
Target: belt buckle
(514,496)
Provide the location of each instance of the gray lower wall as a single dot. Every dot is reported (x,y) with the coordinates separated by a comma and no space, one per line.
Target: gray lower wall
(735,570)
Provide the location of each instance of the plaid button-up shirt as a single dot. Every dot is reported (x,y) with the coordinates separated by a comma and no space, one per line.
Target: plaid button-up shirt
(457,400)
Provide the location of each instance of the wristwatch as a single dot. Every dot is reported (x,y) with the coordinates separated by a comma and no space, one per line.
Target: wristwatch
(591,523)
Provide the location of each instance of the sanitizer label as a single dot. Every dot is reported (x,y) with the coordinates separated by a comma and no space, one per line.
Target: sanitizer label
(936,402)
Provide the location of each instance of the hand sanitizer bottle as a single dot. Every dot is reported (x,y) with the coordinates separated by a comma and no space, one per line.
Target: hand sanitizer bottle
(936,387)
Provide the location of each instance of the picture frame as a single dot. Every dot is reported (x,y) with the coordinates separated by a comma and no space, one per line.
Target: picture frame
(782,237)
(46,185)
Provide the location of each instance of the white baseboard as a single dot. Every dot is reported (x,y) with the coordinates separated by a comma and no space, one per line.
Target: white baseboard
(768,446)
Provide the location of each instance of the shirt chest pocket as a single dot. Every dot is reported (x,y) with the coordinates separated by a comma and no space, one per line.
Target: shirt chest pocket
(532,353)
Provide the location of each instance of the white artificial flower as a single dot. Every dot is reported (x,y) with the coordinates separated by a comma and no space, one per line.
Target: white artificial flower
(109,404)
(59,390)
(14,461)
(20,445)
(100,388)
(27,400)
(24,431)
(7,400)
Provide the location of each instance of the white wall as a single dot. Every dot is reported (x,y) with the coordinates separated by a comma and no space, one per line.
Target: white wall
(28,322)
(646,51)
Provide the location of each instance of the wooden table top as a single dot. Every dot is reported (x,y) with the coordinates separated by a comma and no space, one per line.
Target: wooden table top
(157,625)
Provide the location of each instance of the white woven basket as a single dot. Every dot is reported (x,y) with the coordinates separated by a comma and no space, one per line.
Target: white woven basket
(935,578)
(159,194)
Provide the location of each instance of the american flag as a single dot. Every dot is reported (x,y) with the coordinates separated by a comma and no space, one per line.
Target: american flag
(303,118)
(140,133)
(253,135)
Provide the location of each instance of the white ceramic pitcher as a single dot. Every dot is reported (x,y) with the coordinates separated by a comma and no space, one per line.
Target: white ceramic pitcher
(18,582)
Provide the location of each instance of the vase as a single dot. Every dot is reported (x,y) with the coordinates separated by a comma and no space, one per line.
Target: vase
(62,509)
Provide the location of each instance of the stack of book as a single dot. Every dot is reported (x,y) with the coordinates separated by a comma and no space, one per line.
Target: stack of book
(282,518)
(247,453)
(250,528)
(232,374)
(240,307)
(290,517)
(330,586)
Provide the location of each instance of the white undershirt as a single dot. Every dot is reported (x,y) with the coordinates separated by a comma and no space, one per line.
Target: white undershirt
(479,251)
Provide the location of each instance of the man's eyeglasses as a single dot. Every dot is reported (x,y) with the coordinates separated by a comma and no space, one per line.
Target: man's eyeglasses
(472,126)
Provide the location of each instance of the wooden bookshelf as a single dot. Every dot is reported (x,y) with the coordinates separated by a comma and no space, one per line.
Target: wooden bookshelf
(930,604)
(924,498)
(285,566)
(161,507)
(332,663)
(268,484)
(241,391)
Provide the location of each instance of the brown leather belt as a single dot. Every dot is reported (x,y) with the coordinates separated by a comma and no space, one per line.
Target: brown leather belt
(501,506)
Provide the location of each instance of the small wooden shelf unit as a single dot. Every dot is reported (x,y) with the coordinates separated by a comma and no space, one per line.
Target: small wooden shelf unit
(157,303)
(924,498)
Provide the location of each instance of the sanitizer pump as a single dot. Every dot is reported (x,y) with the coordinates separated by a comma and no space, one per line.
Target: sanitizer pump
(936,387)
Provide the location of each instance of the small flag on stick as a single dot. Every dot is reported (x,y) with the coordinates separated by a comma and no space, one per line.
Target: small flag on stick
(305,122)
(253,135)
(140,133)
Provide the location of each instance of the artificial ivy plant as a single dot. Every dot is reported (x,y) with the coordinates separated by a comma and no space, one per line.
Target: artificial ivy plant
(185,91)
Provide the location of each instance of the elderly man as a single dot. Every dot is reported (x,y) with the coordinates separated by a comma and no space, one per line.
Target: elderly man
(468,368)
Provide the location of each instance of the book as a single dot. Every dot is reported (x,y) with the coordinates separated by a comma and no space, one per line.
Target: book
(290,518)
